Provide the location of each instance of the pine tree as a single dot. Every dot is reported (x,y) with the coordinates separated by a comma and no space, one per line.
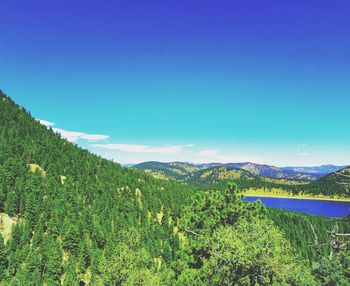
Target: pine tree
(70,276)
(71,237)
(52,260)
(38,234)
(34,266)
(12,203)
(3,258)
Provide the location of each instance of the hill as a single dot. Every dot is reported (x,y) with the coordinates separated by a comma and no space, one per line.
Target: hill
(335,183)
(223,172)
(183,171)
(172,170)
(317,171)
(273,172)
(75,210)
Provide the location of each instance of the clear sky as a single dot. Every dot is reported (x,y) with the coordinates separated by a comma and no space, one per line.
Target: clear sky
(201,81)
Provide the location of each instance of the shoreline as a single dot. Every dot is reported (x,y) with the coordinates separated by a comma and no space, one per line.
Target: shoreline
(344,200)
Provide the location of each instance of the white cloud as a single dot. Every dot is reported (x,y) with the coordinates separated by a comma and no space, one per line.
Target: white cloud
(304,154)
(93,137)
(73,136)
(135,148)
(46,123)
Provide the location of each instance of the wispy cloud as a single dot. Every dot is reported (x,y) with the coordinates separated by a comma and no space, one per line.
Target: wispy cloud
(136,148)
(74,136)
(46,123)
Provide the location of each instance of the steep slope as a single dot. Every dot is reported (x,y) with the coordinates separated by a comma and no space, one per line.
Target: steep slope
(172,170)
(74,210)
(335,183)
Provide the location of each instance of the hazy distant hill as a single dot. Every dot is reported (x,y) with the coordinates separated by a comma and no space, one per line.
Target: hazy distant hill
(317,171)
(180,170)
(208,165)
(221,173)
(272,171)
(172,170)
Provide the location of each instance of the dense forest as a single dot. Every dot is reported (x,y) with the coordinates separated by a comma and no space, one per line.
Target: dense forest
(69,217)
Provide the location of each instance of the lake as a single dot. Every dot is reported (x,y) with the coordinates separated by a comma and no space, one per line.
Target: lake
(314,207)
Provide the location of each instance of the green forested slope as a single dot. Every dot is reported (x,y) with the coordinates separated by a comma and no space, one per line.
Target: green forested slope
(335,183)
(172,170)
(297,228)
(81,203)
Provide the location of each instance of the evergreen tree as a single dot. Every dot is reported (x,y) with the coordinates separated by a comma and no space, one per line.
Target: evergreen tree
(71,237)
(3,259)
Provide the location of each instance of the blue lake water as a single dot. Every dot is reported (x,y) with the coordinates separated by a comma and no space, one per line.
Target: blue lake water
(314,207)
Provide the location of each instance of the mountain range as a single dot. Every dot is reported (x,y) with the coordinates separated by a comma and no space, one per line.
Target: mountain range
(184,170)
(250,176)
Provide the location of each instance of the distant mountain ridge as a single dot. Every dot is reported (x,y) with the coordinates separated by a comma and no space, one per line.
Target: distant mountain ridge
(272,171)
(320,170)
(172,170)
(255,176)
(181,170)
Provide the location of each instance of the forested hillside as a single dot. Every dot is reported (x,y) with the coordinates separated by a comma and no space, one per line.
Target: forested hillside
(167,170)
(73,208)
(69,217)
(256,178)
(172,170)
(336,182)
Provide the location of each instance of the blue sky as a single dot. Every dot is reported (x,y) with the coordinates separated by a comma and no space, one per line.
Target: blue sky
(200,81)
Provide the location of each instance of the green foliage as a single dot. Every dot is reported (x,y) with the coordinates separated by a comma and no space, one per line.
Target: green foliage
(230,242)
(253,253)
(335,271)
(297,230)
